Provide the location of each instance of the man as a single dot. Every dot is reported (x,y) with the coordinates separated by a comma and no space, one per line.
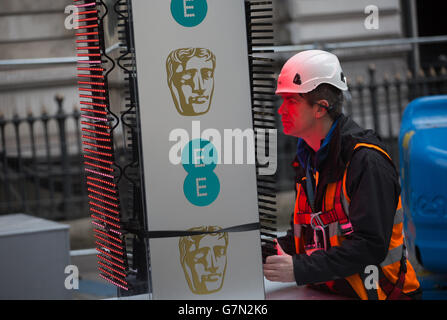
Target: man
(204,259)
(190,73)
(346,234)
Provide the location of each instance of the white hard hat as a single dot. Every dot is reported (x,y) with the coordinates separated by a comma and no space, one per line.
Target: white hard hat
(308,69)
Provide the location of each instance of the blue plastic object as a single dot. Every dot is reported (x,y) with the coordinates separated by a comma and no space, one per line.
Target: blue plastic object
(423,169)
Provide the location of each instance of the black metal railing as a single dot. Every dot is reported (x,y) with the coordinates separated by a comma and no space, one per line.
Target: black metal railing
(41,171)
(374,104)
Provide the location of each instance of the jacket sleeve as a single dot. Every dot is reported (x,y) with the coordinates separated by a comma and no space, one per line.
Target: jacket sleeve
(373,186)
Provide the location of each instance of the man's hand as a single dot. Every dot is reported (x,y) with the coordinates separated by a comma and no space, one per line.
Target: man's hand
(279,268)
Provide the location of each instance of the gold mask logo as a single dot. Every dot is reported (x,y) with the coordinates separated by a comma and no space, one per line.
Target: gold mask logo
(190,73)
(204,259)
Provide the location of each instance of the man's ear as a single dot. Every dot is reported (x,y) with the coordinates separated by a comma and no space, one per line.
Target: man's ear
(322,108)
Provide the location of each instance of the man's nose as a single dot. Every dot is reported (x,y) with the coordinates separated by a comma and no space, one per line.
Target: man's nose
(281,109)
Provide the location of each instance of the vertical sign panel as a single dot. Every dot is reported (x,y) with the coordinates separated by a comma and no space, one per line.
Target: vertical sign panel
(194,95)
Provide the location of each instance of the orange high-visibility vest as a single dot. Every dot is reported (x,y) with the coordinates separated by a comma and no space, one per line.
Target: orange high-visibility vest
(394,278)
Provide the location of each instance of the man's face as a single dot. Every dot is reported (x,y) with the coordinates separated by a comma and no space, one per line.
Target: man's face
(194,86)
(297,115)
(205,264)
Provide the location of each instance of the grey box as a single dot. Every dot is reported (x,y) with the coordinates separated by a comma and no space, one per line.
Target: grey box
(33,255)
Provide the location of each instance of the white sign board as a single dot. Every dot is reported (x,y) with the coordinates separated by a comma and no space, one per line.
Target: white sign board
(193,82)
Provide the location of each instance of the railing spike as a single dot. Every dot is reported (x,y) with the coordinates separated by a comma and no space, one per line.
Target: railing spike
(421,73)
(360,80)
(432,72)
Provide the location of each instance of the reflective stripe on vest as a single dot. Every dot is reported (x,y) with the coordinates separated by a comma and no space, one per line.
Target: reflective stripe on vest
(393,255)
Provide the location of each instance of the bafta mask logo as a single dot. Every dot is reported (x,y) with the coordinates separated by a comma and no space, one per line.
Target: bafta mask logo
(190,74)
(204,259)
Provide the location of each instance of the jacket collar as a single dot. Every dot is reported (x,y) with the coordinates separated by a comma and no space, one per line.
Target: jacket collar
(334,157)
(305,152)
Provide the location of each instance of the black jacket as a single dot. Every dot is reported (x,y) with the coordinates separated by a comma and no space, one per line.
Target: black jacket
(373,187)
